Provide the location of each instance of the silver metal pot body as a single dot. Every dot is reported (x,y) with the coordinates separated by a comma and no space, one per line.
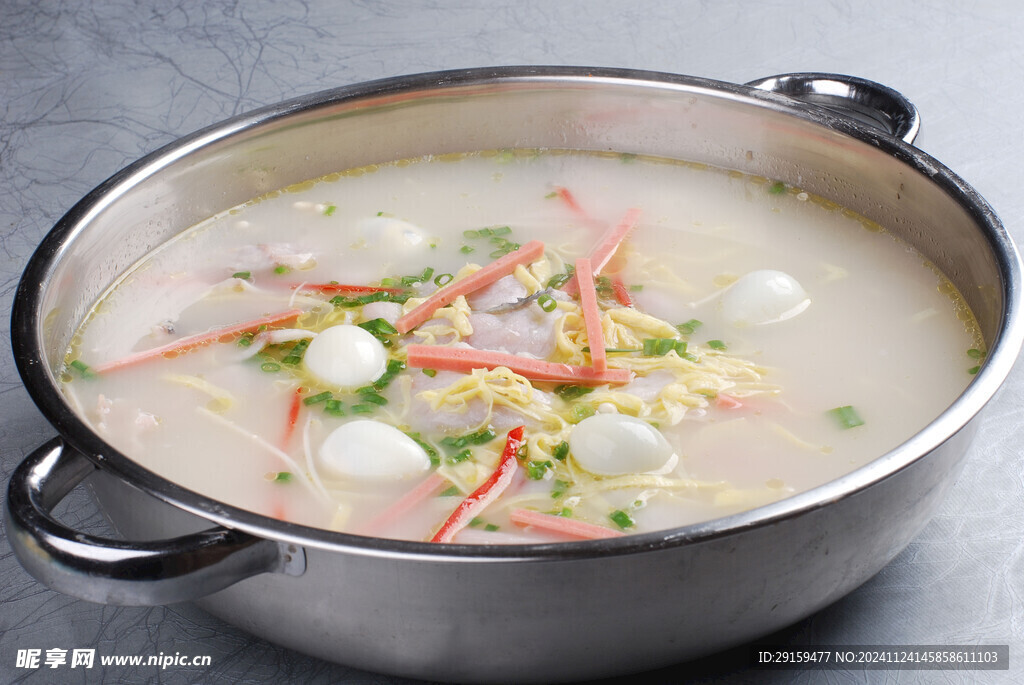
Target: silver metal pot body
(521,613)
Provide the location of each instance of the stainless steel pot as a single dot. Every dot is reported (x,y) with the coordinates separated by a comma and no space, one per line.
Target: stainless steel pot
(519,613)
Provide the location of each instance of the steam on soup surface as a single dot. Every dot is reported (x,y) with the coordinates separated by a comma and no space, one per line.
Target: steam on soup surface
(408,350)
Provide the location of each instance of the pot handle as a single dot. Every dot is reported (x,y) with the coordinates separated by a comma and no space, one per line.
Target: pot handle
(856,98)
(116,571)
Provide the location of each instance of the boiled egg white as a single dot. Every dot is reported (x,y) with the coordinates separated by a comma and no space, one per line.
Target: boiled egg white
(345,356)
(370,450)
(615,445)
(762,297)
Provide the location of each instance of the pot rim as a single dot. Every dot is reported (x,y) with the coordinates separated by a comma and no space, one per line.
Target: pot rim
(26,321)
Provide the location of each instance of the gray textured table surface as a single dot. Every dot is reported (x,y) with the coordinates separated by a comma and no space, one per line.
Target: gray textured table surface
(87,87)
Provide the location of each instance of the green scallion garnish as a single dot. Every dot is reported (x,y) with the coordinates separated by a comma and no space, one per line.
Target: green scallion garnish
(547,303)
(551,195)
(560,486)
(430,372)
(974,370)
(847,417)
(281,269)
(363,408)
(659,347)
(622,519)
(491,527)
(560,451)
(316,399)
(443,279)
(330,210)
(244,275)
(777,188)
(82,368)
(716,344)
(572,392)
(334,407)
(689,327)
(975,353)
(636,288)
(466,249)
(535,470)
(270,367)
(475,521)
(283,477)
(294,355)
(460,457)
(373,398)
(582,411)
(481,438)
(450,492)
(471,234)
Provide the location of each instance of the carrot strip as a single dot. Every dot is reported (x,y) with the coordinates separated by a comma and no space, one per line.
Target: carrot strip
(561,524)
(490,490)
(465,359)
(500,267)
(607,246)
(400,507)
(344,288)
(621,292)
(293,418)
(591,315)
(183,345)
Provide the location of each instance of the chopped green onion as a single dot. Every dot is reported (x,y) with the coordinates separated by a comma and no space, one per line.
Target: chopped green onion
(390,282)
(315,399)
(330,210)
(558,280)
(777,188)
(716,344)
(627,157)
(535,470)
(847,416)
(689,327)
(374,398)
(550,195)
(334,408)
(974,370)
(475,521)
(459,457)
(270,367)
(380,329)
(622,519)
(572,392)
(471,234)
(636,288)
(547,303)
(560,486)
(281,269)
(430,372)
(283,477)
(974,353)
(466,249)
(481,438)
(451,492)
(453,444)
(561,451)
(362,408)
(245,340)
(82,368)
(443,280)
(582,411)
(294,355)
(491,527)
(659,347)
(244,275)
(501,230)
(394,368)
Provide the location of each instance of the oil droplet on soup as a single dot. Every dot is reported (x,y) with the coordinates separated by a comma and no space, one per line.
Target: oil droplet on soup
(753,348)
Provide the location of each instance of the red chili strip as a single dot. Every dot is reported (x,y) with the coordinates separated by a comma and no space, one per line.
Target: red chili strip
(479,499)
